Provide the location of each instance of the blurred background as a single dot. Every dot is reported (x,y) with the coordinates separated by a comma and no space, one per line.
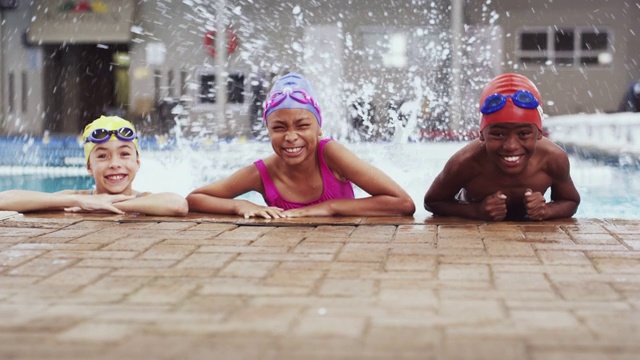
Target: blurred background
(382,69)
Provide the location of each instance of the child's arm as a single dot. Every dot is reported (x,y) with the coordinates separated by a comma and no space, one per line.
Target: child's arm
(387,197)
(440,198)
(160,204)
(26,200)
(564,195)
(219,197)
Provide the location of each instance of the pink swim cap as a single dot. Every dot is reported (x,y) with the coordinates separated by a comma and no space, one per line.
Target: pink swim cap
(292,91)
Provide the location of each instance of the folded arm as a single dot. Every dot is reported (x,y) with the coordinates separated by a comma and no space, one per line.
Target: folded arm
(564,195)
(160,204)
(26,200)
(219,197)
(387,197)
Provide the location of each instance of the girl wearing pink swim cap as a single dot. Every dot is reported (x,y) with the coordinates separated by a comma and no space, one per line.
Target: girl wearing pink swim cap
(306,175)
(505,173)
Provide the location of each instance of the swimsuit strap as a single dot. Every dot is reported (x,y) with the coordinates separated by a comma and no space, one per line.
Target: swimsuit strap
(270,190)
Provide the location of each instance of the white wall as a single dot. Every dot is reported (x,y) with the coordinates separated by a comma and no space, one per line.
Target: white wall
(16,59)
(571,89)
(271,36)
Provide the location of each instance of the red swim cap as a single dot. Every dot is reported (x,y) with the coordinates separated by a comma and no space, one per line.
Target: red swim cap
(507,84)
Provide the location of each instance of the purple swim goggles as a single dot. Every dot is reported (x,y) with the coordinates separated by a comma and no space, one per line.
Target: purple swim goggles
(299,96)
(99,136)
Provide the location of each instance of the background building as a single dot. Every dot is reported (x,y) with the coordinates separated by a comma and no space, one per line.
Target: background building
(380,68)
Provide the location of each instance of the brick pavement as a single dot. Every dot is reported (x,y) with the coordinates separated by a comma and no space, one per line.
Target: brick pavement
(116,287)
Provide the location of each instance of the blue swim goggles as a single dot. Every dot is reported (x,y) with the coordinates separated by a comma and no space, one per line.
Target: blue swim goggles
(99,136)
(521,98)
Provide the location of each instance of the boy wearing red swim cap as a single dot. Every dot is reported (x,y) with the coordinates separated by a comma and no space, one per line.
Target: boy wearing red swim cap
(505,173)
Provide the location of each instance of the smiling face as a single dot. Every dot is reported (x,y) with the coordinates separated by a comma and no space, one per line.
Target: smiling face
(294,134)
(510,145)
(114,165)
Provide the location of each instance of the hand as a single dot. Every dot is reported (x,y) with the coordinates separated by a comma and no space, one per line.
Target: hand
(249,210)
(494,207)
(535,204)
(101,202)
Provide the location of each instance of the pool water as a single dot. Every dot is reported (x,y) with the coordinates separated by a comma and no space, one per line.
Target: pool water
(46,183)
(606,191)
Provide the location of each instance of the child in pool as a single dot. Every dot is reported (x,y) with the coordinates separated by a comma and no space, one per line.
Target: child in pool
(505,173)
(111,154)
(307,175)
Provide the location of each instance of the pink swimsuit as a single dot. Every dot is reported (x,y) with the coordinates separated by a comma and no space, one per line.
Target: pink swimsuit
(333,188)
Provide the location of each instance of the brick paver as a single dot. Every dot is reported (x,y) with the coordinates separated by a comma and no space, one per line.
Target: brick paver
(115,287)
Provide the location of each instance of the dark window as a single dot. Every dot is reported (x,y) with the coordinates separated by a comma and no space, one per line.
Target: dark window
(594,41)
(12,91)
(156,85)
(207,89)
(589,60)
(564,40)
(170,83)
(183,82)
(25,92)
(579,46)
(533,41)
(235,88)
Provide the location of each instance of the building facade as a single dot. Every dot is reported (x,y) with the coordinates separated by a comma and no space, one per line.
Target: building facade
(378,67)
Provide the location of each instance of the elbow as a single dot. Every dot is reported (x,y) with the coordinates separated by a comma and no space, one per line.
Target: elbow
(428,206)
(181,208)
(192,202)
(407,207)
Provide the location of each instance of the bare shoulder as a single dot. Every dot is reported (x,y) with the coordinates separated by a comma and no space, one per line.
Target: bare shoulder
(333,149)
(338,157)
(554,157)
(467,158)
(550,147)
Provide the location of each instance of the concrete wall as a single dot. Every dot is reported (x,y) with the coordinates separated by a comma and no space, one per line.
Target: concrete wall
(271,41)
(271,38)
(572,89)
(20,60)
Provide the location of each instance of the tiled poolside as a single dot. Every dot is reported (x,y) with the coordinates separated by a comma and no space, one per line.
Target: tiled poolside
(90,287)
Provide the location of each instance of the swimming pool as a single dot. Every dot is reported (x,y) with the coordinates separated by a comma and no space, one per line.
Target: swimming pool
(606,191)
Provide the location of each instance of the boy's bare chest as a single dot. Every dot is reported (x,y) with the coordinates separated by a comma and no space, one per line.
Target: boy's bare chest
(513,187)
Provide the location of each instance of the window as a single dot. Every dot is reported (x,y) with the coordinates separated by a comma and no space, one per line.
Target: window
(393,47)
(207,93)
(235,88)
(386,47)
(575,46)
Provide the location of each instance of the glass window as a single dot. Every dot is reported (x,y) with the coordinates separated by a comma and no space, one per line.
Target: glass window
(564,40)
(595,41)
(235,88)
(578,46)
(207,89)
(384,47)
(533,41)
